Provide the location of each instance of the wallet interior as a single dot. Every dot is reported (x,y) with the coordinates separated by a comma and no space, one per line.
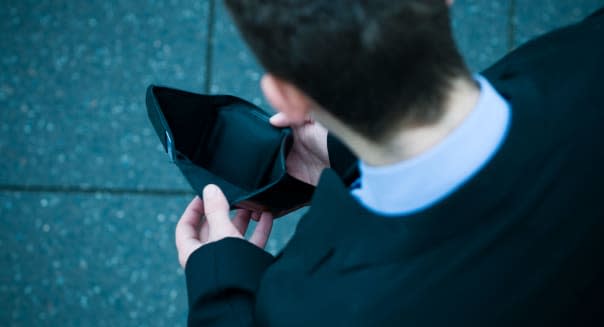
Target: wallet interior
(227,141)
(202,136)
(229,149)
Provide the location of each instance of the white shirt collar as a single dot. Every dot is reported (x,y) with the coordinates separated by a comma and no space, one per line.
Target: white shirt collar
(417,183)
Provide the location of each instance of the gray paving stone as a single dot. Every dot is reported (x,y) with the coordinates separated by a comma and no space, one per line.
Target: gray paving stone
(536,17)
(77,260)
(235,70)
(481,30)
(73,82)
(94,260)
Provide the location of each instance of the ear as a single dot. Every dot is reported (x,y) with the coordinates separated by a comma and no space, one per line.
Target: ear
(286,98)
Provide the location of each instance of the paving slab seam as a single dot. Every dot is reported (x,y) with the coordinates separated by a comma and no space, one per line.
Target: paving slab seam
(511,26)
(210,45)
(93,190)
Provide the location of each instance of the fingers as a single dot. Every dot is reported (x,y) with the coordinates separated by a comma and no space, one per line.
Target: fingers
(186,235)
(204,231)
(187,226)
(263,230)
(192,230)
(280,120)
(256,215)
(242,220)
(216,207)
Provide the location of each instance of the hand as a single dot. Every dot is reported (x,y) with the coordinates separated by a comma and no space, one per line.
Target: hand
(208,221)
(308,156)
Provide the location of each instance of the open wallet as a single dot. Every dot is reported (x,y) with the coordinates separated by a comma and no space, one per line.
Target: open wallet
(227,141)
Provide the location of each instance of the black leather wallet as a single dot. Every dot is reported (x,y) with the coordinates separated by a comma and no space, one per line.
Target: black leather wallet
(227,141)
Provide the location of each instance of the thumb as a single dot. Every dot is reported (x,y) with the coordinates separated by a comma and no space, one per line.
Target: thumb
(216,206)
(280,120)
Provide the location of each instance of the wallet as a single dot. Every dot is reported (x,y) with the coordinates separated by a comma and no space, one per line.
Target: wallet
(227,141)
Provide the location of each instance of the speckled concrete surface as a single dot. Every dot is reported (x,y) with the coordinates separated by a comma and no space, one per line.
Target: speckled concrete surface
(93,260)
(89,260)
(536,17)
(481,30)
(237,71)
(72,88)
(88,200)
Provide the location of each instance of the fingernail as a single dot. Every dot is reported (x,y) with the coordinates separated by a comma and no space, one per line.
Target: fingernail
(210,190)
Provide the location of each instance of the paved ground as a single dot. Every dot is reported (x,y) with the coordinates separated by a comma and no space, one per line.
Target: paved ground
(88,200)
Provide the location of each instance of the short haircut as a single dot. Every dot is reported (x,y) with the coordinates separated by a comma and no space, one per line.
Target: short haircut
(370,63)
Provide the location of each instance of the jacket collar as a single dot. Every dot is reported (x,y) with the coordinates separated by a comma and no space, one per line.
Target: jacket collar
(339,228)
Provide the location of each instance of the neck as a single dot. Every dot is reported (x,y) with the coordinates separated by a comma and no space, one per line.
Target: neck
(410,141)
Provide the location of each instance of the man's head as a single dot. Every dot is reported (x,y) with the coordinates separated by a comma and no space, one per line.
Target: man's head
(371,64)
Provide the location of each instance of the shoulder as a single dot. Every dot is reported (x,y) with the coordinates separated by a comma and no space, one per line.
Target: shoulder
(575,47)
(555,79)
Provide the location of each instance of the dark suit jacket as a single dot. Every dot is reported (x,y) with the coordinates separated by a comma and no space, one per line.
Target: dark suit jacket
(520,243)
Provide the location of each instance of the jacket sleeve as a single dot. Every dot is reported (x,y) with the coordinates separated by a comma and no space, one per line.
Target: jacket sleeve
(342,160)
(222,279)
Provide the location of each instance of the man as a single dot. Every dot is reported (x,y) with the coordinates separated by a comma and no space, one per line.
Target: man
(476,198)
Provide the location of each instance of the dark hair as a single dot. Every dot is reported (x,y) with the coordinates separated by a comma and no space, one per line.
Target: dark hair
(370,63)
